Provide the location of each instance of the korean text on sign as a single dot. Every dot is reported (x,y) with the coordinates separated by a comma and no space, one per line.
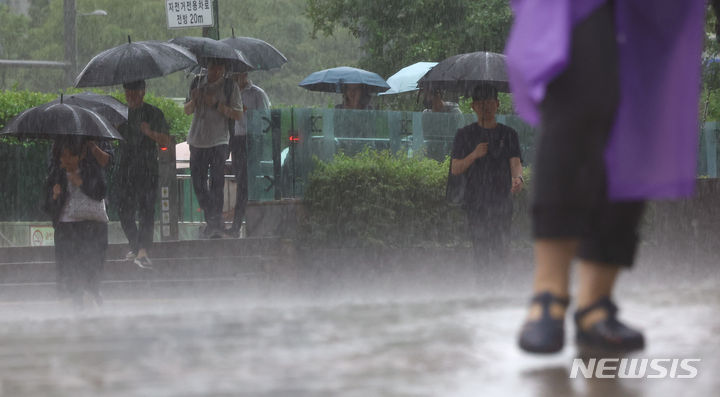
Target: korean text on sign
(188,13)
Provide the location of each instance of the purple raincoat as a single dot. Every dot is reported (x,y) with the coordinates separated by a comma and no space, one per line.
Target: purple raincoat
(653,145)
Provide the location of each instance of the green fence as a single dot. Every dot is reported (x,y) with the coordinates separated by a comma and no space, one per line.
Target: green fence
(23,168)
(281,147)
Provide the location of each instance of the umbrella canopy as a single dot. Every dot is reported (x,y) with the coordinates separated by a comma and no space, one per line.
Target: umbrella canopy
(205,48)
(113,110)
(259,53)
(53,120)
(464,71)
(331,80)
(406,79)
(130,62)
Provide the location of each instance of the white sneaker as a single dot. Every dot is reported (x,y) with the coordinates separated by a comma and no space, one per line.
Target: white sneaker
(130,255)
(143,262)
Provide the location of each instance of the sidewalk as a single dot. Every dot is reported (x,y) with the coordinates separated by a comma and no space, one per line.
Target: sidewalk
(362,326)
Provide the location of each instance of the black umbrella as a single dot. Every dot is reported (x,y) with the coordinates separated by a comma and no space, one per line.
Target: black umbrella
(53,120)
(113,110)
(205,48)
(462,72)
(134,61)
(260,53)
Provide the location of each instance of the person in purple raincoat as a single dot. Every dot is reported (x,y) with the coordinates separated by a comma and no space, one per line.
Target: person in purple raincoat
(614,86)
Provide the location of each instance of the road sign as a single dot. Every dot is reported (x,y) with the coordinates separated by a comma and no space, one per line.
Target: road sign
(189,13)
(42,236)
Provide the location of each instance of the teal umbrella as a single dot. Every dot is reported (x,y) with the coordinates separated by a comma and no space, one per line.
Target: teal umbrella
(405,80)
(332,80)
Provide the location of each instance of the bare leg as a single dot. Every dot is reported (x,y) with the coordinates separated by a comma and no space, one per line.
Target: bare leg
(543,332)
(596,281)
(553,258)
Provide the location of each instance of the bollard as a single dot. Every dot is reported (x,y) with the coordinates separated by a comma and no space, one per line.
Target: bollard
(276,132)
(168,194)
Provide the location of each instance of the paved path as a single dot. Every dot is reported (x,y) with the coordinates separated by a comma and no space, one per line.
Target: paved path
(413,329)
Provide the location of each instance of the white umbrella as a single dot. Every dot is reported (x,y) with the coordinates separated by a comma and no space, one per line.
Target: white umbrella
(405,80)
(182,155)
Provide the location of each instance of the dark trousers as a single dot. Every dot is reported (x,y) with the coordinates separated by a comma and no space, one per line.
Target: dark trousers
(210,197)
(489,228)
(138,199)
(79,256)
(569,177)
(238,148)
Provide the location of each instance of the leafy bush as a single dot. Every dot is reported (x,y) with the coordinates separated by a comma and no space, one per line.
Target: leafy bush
(12,102)
(378,199)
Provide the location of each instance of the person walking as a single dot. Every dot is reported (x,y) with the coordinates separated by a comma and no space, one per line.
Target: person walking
(74,197)
(214,100)
(488,154)
(616,101)
(138,171)
(254,99)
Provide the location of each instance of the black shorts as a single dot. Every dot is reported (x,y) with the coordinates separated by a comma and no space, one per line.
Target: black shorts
(569,183)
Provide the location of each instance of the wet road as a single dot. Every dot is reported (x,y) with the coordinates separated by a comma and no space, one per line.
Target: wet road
(427,336)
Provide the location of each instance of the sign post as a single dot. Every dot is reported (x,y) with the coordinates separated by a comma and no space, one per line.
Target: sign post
(42,235)
(213,31)
(189,13)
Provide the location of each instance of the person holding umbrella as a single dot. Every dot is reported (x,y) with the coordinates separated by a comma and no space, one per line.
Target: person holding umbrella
(137,177)
(488,154)
(214,100)
(253,98)
(433,102)
(75,192)
(355,96)
(355,84)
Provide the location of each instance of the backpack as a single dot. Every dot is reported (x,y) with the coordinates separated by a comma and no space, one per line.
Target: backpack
(455,187)
(227,90)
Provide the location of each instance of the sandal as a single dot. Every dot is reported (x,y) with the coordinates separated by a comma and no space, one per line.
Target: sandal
(608,334)
(547,334)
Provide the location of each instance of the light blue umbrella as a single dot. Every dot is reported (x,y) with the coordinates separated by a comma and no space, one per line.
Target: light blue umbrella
(331,80)
(405,79)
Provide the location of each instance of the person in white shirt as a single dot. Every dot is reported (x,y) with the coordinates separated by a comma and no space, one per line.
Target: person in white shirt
(214,100)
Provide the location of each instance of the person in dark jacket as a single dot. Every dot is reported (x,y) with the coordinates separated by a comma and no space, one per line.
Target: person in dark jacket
(138,171)
(75,192)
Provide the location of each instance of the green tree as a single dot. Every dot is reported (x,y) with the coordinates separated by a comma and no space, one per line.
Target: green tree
(280,22)
(710,99)
(402,32)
